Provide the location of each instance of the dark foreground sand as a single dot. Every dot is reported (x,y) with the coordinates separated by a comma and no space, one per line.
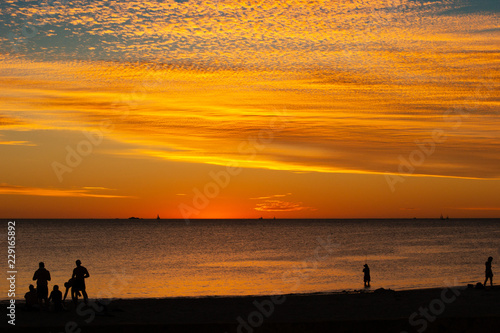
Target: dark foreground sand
(429,310)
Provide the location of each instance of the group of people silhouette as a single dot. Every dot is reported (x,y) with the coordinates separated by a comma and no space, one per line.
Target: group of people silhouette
(39,296)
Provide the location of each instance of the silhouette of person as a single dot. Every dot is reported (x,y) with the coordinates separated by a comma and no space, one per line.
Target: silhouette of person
(69,285)
(80,273)
(488,272)
(56,298)
(42,276)
(366,278)
(31,298)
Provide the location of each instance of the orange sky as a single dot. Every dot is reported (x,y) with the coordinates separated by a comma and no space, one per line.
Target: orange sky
(241,109)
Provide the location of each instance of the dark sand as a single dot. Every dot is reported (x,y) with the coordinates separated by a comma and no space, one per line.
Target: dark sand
(473,310)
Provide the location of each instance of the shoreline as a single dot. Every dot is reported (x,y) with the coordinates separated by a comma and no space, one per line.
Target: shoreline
(314,293)
(436,309)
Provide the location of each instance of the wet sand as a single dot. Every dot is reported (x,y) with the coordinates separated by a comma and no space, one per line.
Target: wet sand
(432,310)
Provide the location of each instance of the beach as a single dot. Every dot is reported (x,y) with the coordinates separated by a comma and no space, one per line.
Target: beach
(458,309)
(250,166)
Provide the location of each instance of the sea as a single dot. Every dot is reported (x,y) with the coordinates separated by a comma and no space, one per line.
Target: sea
(138,258)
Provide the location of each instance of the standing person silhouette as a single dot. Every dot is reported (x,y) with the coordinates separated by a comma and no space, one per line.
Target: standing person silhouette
(42,276)
(80,273)
(366,278)
(488,272)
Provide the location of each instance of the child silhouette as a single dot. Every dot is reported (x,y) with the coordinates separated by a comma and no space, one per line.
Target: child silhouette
(56,298)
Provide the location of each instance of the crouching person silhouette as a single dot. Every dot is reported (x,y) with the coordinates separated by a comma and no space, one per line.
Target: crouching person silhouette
(69,285)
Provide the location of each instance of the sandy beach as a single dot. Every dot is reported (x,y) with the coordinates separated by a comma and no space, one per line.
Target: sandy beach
(430,310)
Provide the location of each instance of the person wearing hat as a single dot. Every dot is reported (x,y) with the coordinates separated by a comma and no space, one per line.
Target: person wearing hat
(366,278)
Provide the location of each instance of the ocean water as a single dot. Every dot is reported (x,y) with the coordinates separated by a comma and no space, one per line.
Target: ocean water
(169,258)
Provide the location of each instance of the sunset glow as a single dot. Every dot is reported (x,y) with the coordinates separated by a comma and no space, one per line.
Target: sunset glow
(242,109)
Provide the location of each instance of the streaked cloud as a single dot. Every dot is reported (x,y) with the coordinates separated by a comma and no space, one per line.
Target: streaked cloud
(280,206)
(321,121)
(8,122)
(7,189)
(17,143)
(90,188)
(271,196)
(478,208)
(273,204)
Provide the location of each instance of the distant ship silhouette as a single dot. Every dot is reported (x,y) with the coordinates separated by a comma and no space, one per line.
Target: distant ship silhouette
(158,217)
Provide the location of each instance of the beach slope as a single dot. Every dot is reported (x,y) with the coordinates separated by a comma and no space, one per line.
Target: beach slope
(429,310)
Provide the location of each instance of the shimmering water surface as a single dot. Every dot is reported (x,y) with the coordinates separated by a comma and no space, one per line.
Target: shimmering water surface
(169,258)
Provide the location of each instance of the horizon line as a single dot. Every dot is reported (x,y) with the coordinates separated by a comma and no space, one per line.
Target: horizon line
(252,218)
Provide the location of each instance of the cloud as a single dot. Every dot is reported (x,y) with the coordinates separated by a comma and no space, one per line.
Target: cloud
(7,189)
(362,81)
(478,208)
(17,143)
(487,31)
(234,34)
(7,123)
(270,204)
(367,128)
(272,196)
(465,7)
(280,206)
